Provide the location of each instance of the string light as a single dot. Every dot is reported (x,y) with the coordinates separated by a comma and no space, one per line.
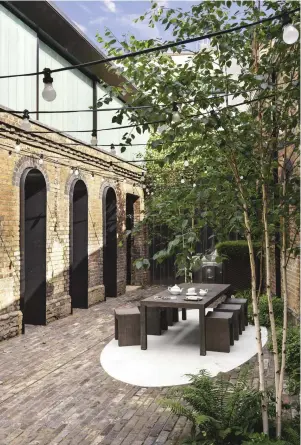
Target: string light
(205,171)
(143,186)
(241,177)
(41,160)
(94,137)
(92,175)
(186,163)
(72,169)
(48,93)
(18,146)
(159,47)
(194,185)
(182,179)
(76,172)
(175,117)
(113,149)
(9,153)
(26,125)
(111,168)
(290,33)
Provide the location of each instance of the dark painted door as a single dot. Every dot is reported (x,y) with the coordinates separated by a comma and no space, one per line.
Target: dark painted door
(79,247)
(110,244)
(34,305)
(129,225)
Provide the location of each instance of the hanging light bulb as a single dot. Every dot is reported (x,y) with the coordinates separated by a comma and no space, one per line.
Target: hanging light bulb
(92,175)
(290,33)
(194,185)
(94,137)
(182,180)
(175,117)
(205,171)
(113,149)
(241,177)
(143,186)
(147,190)
(76,172)
(152,193)
(41,160)
(18,146)
(48,92)
(111,168)
(72,169)
(9,153)
(186,162)
(26,125)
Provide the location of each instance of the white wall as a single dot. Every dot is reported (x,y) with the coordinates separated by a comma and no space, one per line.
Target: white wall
(74,92)
(18,55)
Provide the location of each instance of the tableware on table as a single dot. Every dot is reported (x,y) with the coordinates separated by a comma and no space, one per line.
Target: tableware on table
(191,294)
(193,298)
(191,290)
(175,290)
(203,291)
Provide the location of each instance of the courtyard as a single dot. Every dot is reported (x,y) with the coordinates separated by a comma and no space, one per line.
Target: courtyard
(54,391)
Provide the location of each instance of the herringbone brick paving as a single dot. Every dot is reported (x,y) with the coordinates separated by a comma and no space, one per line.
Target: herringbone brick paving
(53,390)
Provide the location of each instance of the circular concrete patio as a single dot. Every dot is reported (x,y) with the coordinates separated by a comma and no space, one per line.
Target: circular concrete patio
(173,355)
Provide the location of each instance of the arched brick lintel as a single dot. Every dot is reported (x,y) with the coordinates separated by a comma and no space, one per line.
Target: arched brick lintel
(72,180)
(25,163)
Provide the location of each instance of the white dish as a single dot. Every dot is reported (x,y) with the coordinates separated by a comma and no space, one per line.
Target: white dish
(193,298)
(194,294)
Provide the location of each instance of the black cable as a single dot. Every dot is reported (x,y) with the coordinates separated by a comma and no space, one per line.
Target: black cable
(157,48)
(138,107)
(143,123)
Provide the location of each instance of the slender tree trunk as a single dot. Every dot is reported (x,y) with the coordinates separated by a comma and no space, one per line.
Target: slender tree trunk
(262,386)
(268,288)
(284,328)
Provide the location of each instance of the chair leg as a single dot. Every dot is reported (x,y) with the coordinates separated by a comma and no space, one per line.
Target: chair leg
(116,328)
(169,316)
(164,325)
(184,314)
(175,315)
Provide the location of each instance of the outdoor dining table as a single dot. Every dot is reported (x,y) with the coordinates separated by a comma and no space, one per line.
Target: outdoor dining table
(214,292)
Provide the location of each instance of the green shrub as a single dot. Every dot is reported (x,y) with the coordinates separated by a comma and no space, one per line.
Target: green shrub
(264,317)
(235,249)
(263,306)
(263,440)
(292,366)
(221,412)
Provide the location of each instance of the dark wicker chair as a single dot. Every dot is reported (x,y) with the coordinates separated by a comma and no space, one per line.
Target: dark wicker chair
(242,301)
(127,326)
(157,320)
(238,317)
(219,331)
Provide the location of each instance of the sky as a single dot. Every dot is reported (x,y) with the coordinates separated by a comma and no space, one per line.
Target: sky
(93,16)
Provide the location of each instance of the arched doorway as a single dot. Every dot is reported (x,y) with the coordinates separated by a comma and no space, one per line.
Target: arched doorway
(33,247)
(79,246)
(110,242)
(130,214)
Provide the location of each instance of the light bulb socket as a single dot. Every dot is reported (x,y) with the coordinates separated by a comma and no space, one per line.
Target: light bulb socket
(286,20)
(25,114)
(47,76)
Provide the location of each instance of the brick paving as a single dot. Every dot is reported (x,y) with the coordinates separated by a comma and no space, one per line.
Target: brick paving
(54,391)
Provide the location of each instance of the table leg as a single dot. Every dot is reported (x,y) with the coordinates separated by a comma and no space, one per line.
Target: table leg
(143,326)
(184,316)
(202,321)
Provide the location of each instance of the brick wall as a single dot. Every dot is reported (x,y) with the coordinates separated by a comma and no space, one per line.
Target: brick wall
(60,182)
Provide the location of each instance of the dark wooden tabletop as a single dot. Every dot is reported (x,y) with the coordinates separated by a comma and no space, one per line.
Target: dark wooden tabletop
(214,291)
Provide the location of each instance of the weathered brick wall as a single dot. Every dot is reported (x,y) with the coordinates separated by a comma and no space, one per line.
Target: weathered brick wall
(60,181)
